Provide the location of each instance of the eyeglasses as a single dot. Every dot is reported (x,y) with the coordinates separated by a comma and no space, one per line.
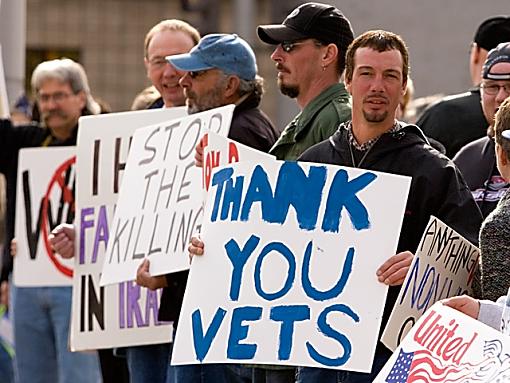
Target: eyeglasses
(289,46)
(197,73)
(493,89)
(56,97)
(158,62)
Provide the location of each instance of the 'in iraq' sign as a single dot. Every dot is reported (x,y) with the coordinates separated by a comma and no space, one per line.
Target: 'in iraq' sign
(123,314)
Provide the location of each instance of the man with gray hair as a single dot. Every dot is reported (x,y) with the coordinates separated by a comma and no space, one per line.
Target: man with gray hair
(42,314)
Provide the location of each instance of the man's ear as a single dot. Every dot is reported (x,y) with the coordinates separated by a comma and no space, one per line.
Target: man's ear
(501,154)
(83,98)
(330,55)
(348,85)
(146,63)
(232,86)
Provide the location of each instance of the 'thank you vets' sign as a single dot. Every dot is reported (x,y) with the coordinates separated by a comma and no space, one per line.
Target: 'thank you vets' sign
(160,202)
(124,314)
(289,274)
(444,266)
(448,346)
(45,199)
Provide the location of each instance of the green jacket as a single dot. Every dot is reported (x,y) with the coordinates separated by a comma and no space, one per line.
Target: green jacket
(316,122)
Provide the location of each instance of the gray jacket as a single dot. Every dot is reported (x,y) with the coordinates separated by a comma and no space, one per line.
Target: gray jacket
(491,312)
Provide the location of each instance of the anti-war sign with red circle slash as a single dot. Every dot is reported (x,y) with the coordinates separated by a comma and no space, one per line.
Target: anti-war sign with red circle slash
(123,314)
(289,271)
(45,199)
(160,201)
(448,346)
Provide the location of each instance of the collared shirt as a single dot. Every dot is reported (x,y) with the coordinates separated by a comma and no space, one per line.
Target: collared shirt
(366,145)
(316,123)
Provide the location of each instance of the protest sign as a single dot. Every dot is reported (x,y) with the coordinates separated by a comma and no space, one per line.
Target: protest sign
(444,266)
(160,203)
(44,199)
(289,274)
(4,101)
(124,314)
(448,346)
(220,151)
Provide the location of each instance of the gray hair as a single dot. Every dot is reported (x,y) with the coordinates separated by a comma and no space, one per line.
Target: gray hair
(68,71)
(251,86)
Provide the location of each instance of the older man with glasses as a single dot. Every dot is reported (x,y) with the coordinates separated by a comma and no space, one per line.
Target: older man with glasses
(42,314)
(477,160)
(310,60)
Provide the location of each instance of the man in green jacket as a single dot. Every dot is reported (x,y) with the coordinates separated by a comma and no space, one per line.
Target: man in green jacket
(310,60)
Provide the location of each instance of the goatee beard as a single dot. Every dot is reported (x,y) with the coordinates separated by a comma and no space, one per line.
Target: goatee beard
(288,90)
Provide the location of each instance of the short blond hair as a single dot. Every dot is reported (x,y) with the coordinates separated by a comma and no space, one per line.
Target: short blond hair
(170,25)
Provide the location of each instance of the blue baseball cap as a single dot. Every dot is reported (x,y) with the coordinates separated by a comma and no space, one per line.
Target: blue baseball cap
(227,52)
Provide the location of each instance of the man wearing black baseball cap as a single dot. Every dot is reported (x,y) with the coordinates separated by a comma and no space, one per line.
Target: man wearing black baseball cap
(310,59)
(457,120)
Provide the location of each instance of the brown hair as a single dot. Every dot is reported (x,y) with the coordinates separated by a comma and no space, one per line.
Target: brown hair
(380,41)
(503,123)
(170,25)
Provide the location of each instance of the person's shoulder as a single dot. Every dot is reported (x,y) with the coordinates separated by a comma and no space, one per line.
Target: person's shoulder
(450,104)
(473,147)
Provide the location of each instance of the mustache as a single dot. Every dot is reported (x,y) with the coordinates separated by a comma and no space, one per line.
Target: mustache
(377,97)
(54,113)
(281,67)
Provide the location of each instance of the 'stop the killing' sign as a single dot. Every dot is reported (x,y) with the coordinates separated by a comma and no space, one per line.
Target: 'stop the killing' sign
(160,201)
(289,274)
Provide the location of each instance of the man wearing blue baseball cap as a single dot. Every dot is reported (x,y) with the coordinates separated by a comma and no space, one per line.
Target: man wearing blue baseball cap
(220,70)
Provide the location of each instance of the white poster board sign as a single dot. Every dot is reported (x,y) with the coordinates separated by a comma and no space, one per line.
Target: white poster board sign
(221,151)
(4,101)
(44,199)
(448,346)
(160,202)
(123,314)
(290,248)
(444,266)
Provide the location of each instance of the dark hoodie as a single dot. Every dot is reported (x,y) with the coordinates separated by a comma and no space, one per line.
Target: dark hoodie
(437,187)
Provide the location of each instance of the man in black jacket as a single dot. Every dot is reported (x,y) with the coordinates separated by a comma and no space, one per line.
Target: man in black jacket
(42,314)
(456,120)
(376,76)
(477,160)
(220,70)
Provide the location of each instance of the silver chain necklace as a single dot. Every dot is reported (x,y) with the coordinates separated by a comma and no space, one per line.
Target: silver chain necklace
(354,165)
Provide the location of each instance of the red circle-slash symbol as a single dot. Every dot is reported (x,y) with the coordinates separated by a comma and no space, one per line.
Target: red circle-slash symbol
(59,181)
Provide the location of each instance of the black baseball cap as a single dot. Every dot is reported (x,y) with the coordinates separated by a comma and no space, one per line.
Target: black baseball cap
(500,54)
(310,20)
(493,31)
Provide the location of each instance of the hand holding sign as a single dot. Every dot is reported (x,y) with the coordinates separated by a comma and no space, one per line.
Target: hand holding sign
(62,240)
(465,304)
(393,272)
(196,246)
(144,279)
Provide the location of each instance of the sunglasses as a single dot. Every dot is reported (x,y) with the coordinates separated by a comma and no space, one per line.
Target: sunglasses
(289,46)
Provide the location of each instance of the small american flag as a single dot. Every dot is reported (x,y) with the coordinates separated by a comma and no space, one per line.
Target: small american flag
(423,366)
